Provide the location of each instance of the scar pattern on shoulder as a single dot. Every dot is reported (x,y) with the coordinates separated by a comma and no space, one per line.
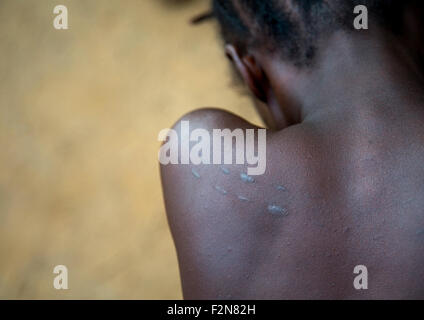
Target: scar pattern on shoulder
(281,188)
(221,190)
(246,178)
(225,170)
(243,198)
(273,209)
(195,173)
(277,210)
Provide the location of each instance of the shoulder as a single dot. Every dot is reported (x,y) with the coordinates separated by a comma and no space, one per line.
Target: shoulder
(178,167)
(184,137)
(214,210)
(213,118)
(186,180)
(204,201)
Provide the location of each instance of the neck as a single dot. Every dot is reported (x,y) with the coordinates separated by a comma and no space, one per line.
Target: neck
(355,73)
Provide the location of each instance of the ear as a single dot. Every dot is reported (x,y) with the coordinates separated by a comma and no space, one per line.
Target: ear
(250,71)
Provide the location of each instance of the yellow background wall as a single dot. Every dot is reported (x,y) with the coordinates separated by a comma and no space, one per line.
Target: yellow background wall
(80,111)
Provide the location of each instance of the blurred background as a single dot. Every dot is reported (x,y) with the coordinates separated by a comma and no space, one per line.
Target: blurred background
(80,111)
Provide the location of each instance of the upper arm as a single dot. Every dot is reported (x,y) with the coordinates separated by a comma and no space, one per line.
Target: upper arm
(203,210)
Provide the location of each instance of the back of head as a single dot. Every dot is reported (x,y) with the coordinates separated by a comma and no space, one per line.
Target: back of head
(295,27)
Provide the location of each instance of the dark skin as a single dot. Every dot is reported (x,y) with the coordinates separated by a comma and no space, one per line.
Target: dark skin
(349,151)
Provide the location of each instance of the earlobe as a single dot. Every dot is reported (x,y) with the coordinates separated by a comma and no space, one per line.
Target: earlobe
(249,70)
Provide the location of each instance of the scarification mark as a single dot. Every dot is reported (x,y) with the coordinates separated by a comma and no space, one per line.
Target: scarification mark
(225,170)
(243,198)
(277,210)
(221,191)
(281,188)
(246,178)
(195,173)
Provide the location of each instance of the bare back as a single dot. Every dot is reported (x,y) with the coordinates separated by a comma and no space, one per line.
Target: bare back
(352,192)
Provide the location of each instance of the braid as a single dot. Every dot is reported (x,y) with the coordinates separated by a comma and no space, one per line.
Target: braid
(293,27)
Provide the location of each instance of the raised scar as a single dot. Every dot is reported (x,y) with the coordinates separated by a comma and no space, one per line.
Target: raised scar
(246,178)
(277,210)
(195,173)
(225,170)
(243,198)
(220,190)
